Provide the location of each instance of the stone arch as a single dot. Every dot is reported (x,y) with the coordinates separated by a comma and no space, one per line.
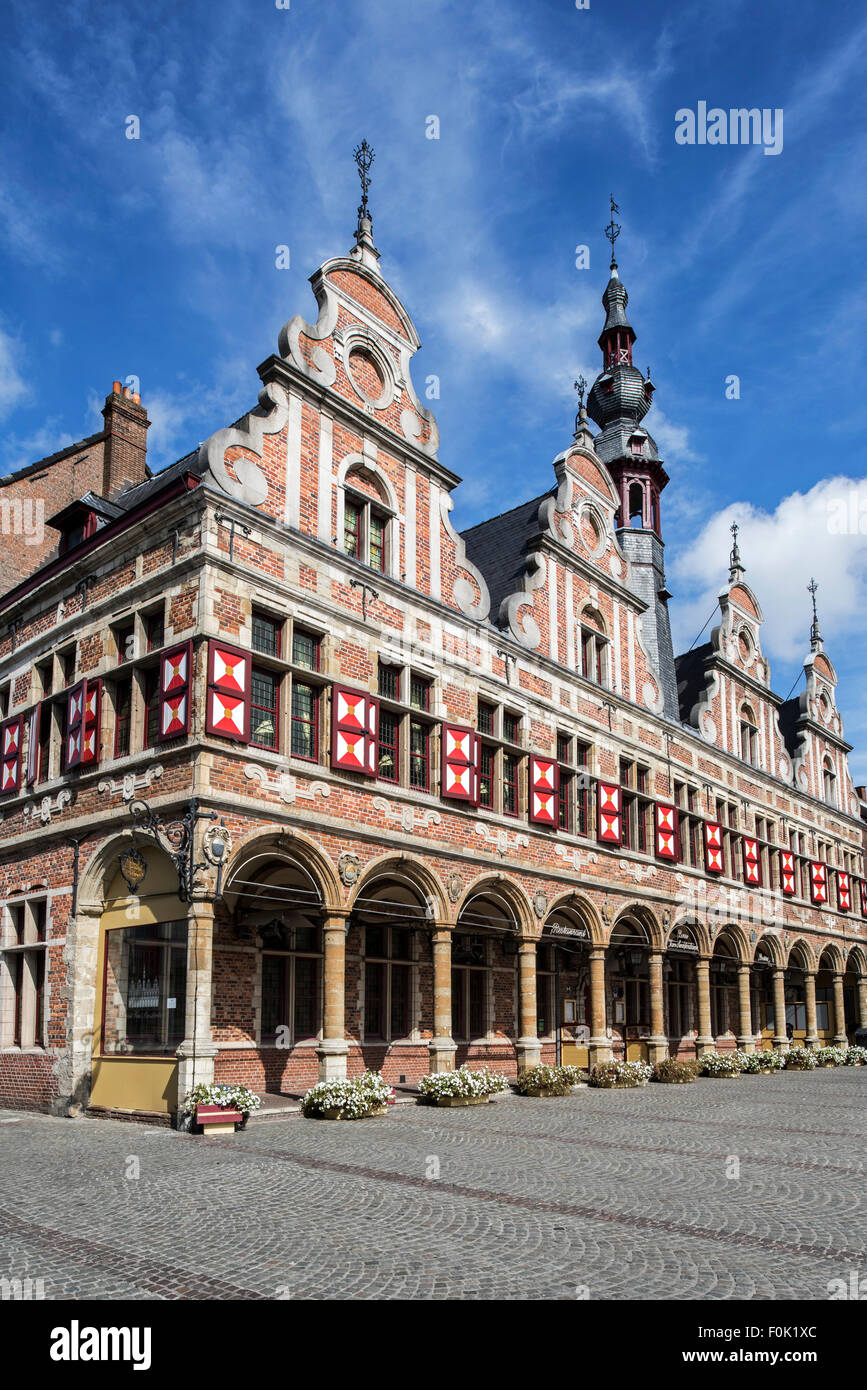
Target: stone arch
(801,956)
(774,947)
(409,870)
(832,955)
(291,846)
(510,894)
(705,946)
(95,876)
(856,961)
(641,914)
(581,907)
(737,937)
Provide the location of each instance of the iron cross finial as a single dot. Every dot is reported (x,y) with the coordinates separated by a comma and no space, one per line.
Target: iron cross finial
(815,633)
(364,157)
(581,387)
(735,557)
(612,231)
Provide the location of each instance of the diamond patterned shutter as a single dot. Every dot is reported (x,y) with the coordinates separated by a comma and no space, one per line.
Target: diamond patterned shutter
(667,837)
(354,725)
(90,723)
(844,891)
(228,708)
(10,756)
(818,882)
(863,896)
(176,667)
(608,807)
(544,791)
(787,872)
(460,770)
(74,730)
(713,849)
(34,726)
(752,862)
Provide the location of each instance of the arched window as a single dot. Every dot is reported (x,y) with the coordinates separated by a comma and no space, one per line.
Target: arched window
(636,505)
(830,780)
(366,522)
(749,737)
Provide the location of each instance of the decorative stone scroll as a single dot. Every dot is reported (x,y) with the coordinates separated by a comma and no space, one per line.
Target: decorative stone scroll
(286,785)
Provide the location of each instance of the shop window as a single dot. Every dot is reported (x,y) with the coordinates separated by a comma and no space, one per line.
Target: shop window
(290,982)
(25,959)
(387,982)
(145,989)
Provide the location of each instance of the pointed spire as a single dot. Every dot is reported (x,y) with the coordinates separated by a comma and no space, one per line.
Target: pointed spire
(736,569)
(364,249)
(815,633)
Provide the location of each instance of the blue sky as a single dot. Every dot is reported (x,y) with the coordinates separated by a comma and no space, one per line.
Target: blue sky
(156,257)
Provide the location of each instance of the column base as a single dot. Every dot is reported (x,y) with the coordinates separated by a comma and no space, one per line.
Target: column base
(812,1042)
(840,1040)
(442,1055)
(600,1050)
(703,1045)
(529,1053)
(332,1054)
(780,1044)
(747,1044)
(657,1050)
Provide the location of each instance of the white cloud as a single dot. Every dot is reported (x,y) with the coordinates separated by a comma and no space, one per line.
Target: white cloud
(13,385)
(816,534)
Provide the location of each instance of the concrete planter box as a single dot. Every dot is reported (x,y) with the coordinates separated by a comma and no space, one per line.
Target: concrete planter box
(446,1101)
(550,1095)
(336,1113)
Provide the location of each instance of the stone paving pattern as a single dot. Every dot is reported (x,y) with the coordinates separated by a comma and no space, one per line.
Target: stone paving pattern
(621,1193)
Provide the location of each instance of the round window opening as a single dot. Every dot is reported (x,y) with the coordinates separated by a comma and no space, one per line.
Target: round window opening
(366,374)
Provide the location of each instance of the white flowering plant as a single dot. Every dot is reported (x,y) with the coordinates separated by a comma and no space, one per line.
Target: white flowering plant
(764,1061)
(462,1082)
(552,1081)
(856,1057)
(831,1056)
(720,1064)
(609,1074)
(224,1094)
(800,1059)
(354,1098)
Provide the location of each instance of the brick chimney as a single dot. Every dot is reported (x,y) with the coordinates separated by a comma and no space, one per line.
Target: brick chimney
(125,449)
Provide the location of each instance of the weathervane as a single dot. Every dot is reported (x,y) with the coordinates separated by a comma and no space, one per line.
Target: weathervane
(735,557)
(364,157)
(580,387)
(815,634)
(612,231)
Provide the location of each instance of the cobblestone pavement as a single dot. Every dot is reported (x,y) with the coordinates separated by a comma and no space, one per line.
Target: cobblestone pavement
(602,1194)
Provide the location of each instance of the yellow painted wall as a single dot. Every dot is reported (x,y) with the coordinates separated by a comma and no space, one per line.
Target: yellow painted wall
(135,1083)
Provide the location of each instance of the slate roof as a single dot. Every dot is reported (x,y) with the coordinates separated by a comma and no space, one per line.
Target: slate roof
(789,714)
(498,547)
(689,668)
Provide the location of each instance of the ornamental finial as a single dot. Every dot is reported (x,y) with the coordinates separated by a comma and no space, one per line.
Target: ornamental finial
(581,417)
(735,557)
(612,231)
(364,157)
(815,634)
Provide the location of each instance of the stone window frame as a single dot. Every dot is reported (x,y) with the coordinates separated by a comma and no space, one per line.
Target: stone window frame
(288,956)
(411,963)
(406,715)
(33,1029)
(501,748)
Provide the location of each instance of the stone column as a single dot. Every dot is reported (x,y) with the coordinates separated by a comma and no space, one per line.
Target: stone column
(862,1001)
(746,1036)
(197,1051)
(705,1040)
(781,1041)
(657,1043)
(529,1049)
(80,964)
(600,1044)
(812,1038)
(442,1044)
(840,1037)
(333,1050)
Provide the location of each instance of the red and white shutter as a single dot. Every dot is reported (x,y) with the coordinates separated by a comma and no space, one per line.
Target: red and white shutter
(863,895)
(90,723)
(10,756)
(460,770)
(354,728)
(176,668)
(752,862)
(608,808)
(35,724)
(713,848)
(787,872)
(228,707)
(818,882)
(544,791)
(74,729)
(844,891)
(667,829)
